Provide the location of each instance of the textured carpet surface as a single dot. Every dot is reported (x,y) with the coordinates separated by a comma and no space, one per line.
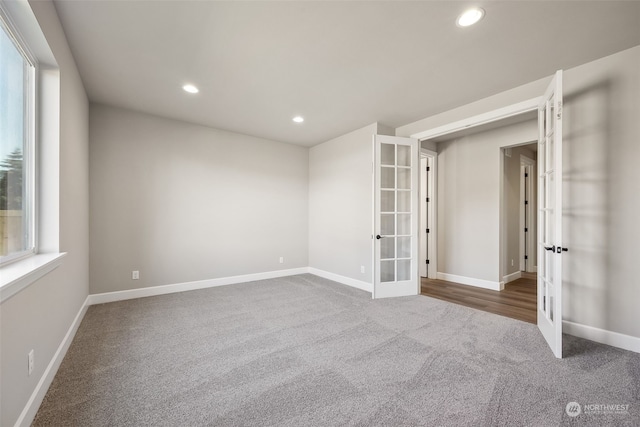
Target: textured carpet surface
(305,351)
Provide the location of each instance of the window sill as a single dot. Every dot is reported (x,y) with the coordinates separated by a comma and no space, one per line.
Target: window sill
(17,276)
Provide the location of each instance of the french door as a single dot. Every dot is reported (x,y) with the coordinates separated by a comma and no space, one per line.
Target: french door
(550,247)
(396,215)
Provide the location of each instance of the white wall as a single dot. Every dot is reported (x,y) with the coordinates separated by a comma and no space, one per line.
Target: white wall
(601,190)
(38,317)
(340,204)
(469,173)
(181,202)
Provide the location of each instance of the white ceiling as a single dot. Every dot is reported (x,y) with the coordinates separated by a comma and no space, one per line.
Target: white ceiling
(340,64)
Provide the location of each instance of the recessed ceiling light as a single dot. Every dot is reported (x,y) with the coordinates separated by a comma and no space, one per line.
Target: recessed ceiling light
(298,119)
(470,17)
(190,89)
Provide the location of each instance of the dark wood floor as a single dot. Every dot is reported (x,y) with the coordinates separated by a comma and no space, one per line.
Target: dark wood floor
(517,300)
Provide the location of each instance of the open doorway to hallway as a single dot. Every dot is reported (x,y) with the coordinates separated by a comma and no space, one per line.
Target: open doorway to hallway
(518,246)
(514,294)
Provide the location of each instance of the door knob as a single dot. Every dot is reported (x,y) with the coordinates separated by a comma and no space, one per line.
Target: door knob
(379,237)
(552,248)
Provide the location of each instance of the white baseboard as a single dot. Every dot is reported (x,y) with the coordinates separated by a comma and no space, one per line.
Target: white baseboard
(355,283)
(511,277)
(471,281)
(33,404)
(615,339)
(190,286)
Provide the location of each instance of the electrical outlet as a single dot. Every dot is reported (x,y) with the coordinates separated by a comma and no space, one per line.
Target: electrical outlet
(362,269)
(281,260)
(135,275)
(31,357)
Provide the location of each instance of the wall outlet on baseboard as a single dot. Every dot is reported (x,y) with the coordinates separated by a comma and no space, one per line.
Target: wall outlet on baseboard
(135,275)
(362,269)
(281,260)
(511,263)
(31,359)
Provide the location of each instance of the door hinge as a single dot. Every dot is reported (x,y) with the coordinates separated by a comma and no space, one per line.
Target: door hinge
(526,202)
(427,230)
(427,200)
(427,261)
(428,168)
(526,230)
(526,175)
(559,115)
(526,257)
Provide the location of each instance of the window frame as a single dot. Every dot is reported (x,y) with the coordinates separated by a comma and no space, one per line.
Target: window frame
(30,149)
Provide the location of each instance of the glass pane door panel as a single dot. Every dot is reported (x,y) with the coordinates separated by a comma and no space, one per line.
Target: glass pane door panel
(404,178)
(404,224)
(387,224)
(404,201)
(387,177)
(387,271)
(388,154)
(551,121)
(387,248)
(404,247)
(404,155)
(550,158)
(404,269)
(387,201)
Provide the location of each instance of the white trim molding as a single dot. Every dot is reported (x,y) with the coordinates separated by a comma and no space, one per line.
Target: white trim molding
(511,277)
(471,281)
(480,119)
(33,404)
(359,284)
(20,274)
(615,339)
(189,286)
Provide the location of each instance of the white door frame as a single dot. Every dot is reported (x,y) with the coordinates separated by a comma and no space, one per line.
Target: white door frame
(428,241)
(509,111)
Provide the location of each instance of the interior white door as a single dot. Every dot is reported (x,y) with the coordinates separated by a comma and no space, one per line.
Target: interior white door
(550,215)
(396,215)
(424,220)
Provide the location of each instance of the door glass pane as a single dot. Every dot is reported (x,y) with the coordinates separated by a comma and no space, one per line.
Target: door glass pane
(551,122)
(404,247)
(550,153)
(387,225)
(404,269)
(404,155)
(404,178)
(387,247)
(387,177)
(387,271)
(404,224)
(404,201)
(388,201)
(388,154)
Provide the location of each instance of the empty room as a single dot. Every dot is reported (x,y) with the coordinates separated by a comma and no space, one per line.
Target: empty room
(313,213)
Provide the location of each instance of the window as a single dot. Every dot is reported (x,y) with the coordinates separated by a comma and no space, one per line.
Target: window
(17,148)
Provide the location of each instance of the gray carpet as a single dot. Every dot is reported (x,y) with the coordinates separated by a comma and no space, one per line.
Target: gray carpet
(305,351)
